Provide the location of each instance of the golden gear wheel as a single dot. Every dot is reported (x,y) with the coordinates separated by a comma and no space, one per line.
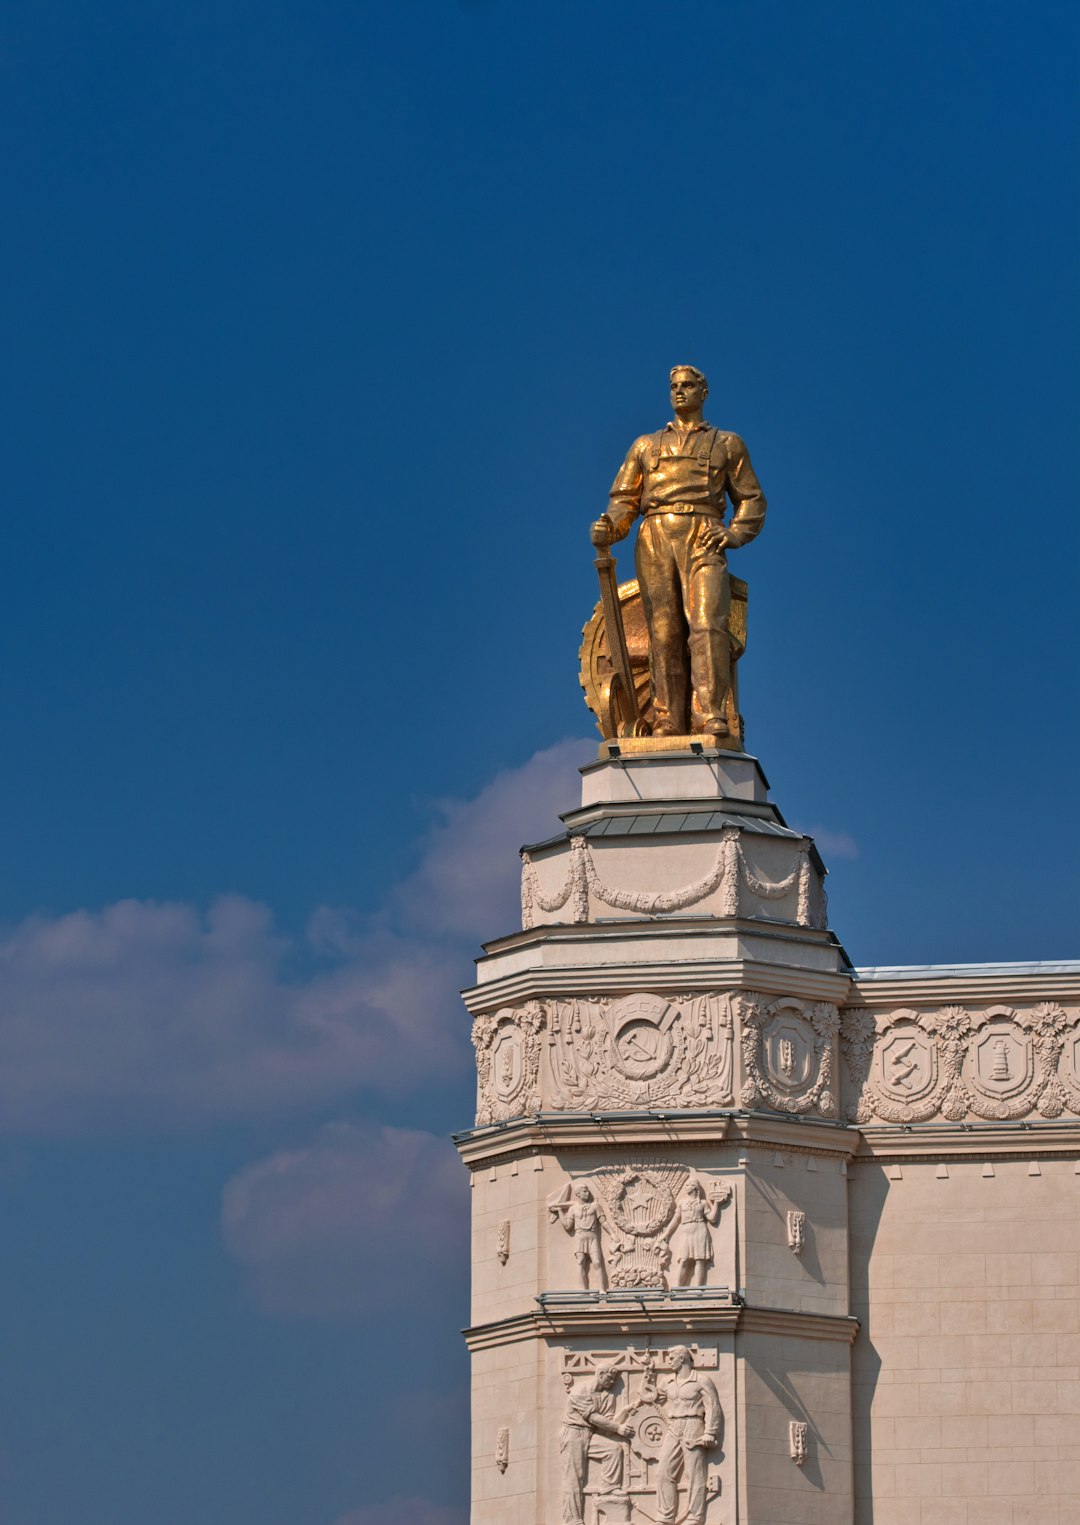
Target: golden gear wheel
(601,684)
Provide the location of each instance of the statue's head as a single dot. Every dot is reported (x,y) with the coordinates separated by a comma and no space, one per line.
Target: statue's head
(582,1192)
(605,1378)
(689,388)
(695,1189)
(680,1357)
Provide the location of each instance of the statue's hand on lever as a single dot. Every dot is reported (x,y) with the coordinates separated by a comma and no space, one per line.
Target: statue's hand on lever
(602,532)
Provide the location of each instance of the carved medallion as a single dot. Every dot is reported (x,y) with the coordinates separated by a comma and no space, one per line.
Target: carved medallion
(641,1049)
(906,1062)
(1003,1062)
(789,1053)
(507,1064)
(1072,1051)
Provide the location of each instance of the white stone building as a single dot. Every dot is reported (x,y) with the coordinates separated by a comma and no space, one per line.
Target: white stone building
(758,1238)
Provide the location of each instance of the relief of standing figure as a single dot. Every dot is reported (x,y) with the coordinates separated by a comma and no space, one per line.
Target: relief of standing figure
(693,1250)
(692,1418)
(579,1215)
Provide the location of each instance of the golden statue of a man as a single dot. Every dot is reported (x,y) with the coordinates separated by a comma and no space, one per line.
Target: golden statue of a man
(679,481)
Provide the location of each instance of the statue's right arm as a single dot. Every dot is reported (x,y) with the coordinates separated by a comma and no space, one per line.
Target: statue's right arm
(624,500)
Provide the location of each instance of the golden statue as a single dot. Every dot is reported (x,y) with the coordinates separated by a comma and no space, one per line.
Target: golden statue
(658,655)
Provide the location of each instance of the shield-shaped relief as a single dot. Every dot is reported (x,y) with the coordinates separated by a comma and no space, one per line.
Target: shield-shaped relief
(1001,1060)
(1071,1058)
(507,1063)
(789,1053)
(906,1062)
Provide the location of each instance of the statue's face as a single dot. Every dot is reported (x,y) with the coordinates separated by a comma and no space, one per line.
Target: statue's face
(687,392)
(605,1378)
(583,1194)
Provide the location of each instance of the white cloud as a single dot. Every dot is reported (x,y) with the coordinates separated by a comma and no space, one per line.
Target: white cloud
(358,1220)
(468,883)
(401,1511)
(165,1015)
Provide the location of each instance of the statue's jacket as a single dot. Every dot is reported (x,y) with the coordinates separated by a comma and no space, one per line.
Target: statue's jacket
(692,471)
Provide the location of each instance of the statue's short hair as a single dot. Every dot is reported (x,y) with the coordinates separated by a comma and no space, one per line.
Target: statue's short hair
(697,375)
(678,1351)
(605,1372)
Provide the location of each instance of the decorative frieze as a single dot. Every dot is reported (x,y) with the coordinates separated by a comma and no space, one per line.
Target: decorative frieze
(733,878)
(908,1066)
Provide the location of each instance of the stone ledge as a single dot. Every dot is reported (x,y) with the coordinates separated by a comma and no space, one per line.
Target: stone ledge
(659,1315)
(1026,1140)
(630,969)
(548,1132)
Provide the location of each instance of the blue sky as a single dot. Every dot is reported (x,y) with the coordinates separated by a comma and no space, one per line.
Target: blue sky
(325,329)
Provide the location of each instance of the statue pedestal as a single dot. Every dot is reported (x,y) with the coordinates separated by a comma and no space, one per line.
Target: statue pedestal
(660,1261)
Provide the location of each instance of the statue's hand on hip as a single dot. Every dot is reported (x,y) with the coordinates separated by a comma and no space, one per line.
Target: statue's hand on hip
(714,539)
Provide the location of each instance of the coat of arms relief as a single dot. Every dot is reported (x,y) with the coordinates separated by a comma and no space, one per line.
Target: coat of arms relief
(508,1062)
(643,1224)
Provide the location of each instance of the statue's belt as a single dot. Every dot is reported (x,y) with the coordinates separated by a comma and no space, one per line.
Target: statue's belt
(682,508)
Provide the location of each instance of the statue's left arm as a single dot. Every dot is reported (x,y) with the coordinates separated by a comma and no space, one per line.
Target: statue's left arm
(713,1413)
(745,493)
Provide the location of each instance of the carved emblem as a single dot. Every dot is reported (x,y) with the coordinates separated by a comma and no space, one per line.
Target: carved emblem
(788,1054)
(508,1062)
(642,1051)
(502,1449)
(502,1242)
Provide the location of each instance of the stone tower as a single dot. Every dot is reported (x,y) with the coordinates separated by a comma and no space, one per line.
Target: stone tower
(757,1239)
